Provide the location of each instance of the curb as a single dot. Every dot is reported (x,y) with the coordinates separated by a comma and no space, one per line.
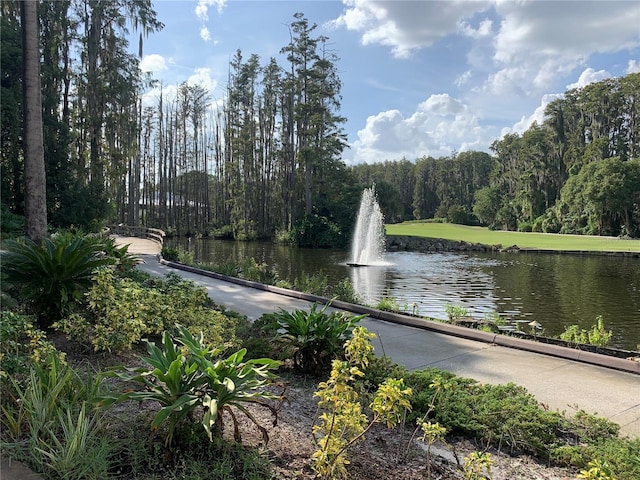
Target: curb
(558,351)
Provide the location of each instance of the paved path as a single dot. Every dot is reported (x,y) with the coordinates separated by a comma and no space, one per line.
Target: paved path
(559,383)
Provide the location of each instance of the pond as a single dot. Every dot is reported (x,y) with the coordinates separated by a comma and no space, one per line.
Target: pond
(555,290)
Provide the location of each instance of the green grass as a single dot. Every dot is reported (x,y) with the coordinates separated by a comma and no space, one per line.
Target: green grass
(542,241)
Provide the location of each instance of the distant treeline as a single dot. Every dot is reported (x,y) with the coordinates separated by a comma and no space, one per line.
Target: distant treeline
(264,159)
(578,172)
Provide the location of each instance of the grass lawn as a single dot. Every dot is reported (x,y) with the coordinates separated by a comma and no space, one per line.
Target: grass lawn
(542,241)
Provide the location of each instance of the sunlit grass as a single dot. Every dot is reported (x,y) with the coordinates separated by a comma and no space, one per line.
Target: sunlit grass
(542,241)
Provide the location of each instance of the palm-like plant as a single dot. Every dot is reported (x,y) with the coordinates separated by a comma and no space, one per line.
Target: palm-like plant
(54,275)
(188,375)
(313,338)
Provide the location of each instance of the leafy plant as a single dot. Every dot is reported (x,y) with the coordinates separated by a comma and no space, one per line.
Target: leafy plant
(187,375)
(315,284)
(598,335)
(342,422)
(258,272)
(54,275)
(597,471)
(49,421)
(344,291)
(431,433)
(388,303)
(455,312)
(21,343)
(314,338)
(477,466)
(121,311)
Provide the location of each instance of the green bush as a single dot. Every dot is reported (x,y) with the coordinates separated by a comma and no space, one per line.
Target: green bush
(312,339)
(49,421)
(388,303)
(258,272)
(621,455)
(316,231)
(344,291)
(598,335)
(455,312)
(315,284)
(525,227)
(123,311)
(53,276)
(507,416)
(188,375)
(21,344)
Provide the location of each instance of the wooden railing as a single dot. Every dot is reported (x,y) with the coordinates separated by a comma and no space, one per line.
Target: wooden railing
(154,234)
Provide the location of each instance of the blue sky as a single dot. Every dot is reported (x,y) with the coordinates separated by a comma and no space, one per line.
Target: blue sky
(419,77)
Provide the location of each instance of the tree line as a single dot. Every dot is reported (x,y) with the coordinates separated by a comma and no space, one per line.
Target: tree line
(577,172)
(266,160)
(263,160)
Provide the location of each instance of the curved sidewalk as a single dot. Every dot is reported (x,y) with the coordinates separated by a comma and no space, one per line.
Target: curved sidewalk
(560,383)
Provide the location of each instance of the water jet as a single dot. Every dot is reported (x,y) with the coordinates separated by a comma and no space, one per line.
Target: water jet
(368,239)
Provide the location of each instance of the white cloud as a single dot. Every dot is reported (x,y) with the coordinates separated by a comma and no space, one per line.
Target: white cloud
(408,26)
(485,29)
(154,63)
(202,9)
(589,76)
(633,67)
(541,41)
(440,125)
(537,115)
(462,79)
(202,76)
(204,34)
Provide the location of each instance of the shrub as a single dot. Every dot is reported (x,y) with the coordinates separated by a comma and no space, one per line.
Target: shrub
(598,335)
(312,339)
(53,276)
(315,284)
(525,227)
(187,375)
(388,303)
(455,312)
(342,422)
(21,343)
(123,311)
(344,291)
(316,231)
(258,272)
(459,215)
(52,424)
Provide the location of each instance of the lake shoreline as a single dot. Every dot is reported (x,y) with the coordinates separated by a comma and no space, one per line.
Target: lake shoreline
(410,243)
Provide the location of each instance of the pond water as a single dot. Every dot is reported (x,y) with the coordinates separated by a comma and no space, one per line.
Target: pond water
(555,290)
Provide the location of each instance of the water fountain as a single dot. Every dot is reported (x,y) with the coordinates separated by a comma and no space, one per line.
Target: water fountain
(368,239)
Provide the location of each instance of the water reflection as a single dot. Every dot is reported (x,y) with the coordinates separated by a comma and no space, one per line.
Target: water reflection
(367,283)
(555,290)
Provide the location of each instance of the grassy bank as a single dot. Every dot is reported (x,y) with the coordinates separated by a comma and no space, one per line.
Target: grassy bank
(542,241)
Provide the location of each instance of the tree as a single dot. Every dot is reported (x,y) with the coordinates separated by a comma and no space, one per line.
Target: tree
(34,171)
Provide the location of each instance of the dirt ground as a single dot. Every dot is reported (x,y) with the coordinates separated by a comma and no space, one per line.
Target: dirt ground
(291,442)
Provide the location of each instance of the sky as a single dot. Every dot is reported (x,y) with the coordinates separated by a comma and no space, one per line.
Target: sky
(419,78)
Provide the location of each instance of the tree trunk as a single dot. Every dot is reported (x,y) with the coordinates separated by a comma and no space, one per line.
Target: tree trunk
(34,170)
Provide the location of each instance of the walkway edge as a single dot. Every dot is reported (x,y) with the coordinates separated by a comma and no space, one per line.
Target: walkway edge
(572,354)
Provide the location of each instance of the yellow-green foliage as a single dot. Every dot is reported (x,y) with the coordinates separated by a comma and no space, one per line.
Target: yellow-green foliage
(20,343)
(598,335)
(123,311)
(477,466)
(597,471)
(341,422)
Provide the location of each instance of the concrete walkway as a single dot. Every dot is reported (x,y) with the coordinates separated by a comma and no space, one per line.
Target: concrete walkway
(560,383)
